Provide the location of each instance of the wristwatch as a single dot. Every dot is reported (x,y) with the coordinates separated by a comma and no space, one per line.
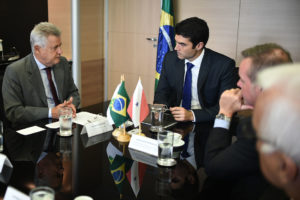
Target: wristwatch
(223,117)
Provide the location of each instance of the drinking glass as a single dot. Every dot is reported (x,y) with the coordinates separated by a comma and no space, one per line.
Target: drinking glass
(165,148)
(157,117)
(65,121)
(42,193)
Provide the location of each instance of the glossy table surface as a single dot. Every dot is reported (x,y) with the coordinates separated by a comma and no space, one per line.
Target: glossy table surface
(79,165)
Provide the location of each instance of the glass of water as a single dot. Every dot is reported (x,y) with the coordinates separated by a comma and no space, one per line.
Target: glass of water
(65,121)
(42,193)
(157,117)
(165,148)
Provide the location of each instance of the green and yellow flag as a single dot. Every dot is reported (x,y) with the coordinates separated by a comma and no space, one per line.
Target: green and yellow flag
(166,40)
(118,106)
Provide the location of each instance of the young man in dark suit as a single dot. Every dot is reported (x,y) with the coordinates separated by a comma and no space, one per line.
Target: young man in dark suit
(193,77)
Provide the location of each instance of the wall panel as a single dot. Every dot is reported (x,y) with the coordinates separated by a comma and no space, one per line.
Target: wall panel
(270,21)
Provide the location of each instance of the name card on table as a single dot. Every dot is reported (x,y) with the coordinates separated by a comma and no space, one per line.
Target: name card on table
(143,157)
(97,127)
(144,144)
(14,194)
(6,168)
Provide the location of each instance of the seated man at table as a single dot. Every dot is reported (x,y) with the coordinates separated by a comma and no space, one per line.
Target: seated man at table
(276,119)
(193,77)
(239,161)
(36,86)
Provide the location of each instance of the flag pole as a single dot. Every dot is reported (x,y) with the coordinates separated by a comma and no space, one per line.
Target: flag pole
(140,125)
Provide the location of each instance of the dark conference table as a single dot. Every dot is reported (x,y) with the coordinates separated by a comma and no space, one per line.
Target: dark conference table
(82,166)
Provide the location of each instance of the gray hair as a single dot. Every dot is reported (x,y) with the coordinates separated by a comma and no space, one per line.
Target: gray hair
(40,33)
(280,122)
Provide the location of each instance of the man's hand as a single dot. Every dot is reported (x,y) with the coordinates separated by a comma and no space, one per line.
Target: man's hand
(69,104)
(55,110)
(181,114)
(231,101)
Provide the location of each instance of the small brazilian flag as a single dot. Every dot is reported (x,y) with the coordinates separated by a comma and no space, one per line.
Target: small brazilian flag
(166,37)
(118,106)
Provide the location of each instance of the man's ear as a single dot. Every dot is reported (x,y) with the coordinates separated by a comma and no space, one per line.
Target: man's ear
(36,48)
(200,46)
(288,171)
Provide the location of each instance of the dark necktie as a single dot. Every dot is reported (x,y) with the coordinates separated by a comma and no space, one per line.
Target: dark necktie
(187,88)
(52,87)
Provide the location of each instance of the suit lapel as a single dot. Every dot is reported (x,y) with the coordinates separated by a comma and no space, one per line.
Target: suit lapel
(34,76)
(179,73)
(204,69)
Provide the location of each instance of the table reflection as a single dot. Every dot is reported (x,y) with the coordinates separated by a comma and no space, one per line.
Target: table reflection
(80,165)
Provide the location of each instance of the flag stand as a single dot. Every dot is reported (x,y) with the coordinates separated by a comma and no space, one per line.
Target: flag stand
(117,132)
(123,137)
(140,131)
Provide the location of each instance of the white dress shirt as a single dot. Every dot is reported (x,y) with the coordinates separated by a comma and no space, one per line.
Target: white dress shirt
(50,100)
(195,104)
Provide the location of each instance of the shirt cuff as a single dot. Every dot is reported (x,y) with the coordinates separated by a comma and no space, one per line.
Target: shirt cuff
(193,116)
(50,113)
(220,123)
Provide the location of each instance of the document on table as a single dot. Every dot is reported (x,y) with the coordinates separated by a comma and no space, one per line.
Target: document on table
(53,125)
(83,118)
(30,130)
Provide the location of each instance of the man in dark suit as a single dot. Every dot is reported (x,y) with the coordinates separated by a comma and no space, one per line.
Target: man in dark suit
(38,85)
(238,162)
(209,73)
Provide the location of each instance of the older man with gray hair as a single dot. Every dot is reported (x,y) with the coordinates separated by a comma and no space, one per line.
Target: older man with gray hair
(38,85)
(276,119)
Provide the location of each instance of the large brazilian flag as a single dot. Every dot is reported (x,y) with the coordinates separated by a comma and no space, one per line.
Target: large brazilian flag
(118,106)
(166,41)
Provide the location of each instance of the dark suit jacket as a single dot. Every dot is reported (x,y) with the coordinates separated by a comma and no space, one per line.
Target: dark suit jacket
(23,91)
(233,169)
(231,161)
(217,73)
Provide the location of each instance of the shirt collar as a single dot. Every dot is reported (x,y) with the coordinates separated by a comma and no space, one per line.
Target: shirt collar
(198,60)
(39,64)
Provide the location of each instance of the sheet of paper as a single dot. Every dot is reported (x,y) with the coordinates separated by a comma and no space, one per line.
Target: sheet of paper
(4,161)
(83,118)
(53,125)
(14,194)
(144,144)
(30,130)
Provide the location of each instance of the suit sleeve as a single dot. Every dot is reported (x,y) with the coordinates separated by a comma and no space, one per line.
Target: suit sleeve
(163,88)
(227,80)
(14,102)
(224,160)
